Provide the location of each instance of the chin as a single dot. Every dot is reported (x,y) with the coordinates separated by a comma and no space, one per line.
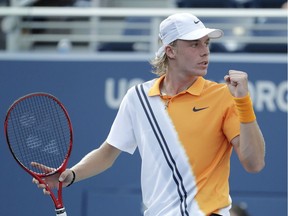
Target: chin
(202,73)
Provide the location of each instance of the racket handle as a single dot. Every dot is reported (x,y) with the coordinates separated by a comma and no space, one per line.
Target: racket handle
(61,212)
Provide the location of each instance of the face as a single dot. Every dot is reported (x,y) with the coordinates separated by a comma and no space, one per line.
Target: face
(191,57)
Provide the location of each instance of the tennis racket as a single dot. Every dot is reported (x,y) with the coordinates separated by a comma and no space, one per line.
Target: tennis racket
(39,131)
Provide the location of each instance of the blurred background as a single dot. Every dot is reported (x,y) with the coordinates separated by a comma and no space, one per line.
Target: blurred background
(89,52)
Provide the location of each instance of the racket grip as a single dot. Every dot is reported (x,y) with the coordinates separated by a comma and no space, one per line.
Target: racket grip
(61,212)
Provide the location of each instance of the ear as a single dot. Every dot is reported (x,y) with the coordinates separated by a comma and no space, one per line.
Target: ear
(170,52)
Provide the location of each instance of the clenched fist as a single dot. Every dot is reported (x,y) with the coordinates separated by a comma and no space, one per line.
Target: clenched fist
(237,82)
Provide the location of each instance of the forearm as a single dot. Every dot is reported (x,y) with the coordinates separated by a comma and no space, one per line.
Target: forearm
(95,162)
(251,149)
(250,145)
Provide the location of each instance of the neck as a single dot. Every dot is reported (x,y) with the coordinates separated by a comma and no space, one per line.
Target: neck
(172,86)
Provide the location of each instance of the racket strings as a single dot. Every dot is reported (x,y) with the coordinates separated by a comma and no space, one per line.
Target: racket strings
(39,132)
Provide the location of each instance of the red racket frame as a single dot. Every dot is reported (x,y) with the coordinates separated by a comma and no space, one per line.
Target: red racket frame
(57,201)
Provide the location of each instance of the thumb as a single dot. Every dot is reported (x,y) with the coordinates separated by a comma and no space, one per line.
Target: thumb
(64,175)
(227,79)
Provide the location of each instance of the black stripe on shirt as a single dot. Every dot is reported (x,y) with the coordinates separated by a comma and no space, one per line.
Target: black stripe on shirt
(165,149)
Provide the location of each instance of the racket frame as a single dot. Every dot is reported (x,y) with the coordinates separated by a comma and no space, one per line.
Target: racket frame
(58,201)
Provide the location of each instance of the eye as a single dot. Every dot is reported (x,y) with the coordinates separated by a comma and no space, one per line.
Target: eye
(195,44)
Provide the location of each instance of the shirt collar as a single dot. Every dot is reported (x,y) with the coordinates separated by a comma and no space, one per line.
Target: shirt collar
(155,89)
(197,86)
(194,89)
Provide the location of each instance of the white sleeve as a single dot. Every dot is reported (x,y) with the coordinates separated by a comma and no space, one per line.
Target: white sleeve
(121,134)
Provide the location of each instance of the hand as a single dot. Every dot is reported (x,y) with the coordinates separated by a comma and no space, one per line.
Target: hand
(237,82)
(53,180)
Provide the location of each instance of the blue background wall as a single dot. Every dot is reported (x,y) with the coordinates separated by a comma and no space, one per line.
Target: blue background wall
(92,91)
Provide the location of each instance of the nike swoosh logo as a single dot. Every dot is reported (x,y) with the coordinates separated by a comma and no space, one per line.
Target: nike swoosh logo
(196,22)
(199,109)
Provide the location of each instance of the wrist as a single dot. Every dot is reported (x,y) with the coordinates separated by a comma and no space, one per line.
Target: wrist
(245,109)
(73,178)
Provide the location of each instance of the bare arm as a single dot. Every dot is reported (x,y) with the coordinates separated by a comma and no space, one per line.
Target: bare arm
(92,164)
(250,145)
(96,161)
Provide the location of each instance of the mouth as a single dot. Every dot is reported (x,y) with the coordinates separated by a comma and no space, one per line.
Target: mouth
(204,63)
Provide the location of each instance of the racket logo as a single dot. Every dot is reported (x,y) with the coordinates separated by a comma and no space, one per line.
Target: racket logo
(33,142)
(51,148)
(27,120)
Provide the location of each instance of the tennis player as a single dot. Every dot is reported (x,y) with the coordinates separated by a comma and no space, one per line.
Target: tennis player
(184,126)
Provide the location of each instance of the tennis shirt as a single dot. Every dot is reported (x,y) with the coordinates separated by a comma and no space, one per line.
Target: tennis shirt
(185,146)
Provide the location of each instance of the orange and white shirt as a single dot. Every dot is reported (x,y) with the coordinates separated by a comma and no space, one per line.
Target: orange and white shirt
(184,146)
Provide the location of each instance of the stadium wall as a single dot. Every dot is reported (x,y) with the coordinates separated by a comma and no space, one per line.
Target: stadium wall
(92,89)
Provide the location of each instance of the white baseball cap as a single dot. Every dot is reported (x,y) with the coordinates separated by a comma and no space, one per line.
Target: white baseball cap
(184,26)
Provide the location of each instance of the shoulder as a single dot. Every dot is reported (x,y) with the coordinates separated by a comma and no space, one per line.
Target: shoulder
(216,86)
(218,92)
(146,86)
(134,91)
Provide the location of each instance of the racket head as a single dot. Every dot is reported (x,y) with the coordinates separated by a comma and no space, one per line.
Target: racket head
(38,129)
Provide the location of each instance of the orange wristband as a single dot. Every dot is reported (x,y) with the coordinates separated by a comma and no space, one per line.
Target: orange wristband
(245,109)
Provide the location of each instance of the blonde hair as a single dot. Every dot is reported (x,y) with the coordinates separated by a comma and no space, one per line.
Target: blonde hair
(160,64)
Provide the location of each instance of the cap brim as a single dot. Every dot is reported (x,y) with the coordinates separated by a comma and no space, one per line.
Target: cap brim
(197,34)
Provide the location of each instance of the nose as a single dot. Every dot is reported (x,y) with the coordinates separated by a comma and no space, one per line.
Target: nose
(205,50)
